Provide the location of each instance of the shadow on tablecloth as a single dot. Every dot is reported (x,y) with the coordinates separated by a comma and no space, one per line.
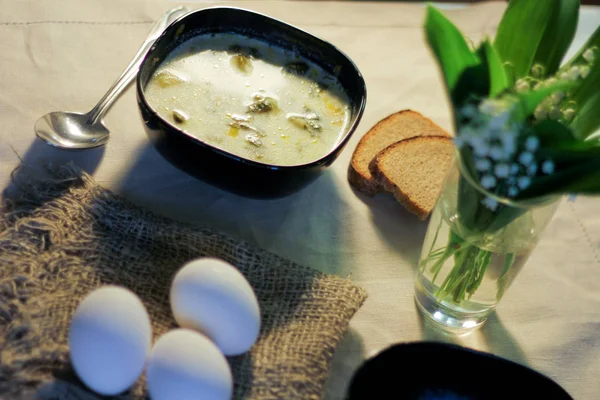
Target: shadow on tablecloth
(492,336)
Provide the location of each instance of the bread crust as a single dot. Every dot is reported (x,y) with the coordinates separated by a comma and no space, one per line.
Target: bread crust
(389,185)
(369,187)
(359,174)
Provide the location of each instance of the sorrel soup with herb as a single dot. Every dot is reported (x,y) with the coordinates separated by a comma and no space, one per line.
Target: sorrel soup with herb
(250,98)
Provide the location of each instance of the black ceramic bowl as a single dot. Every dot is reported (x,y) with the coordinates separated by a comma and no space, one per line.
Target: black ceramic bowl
(436,371)
(216,166)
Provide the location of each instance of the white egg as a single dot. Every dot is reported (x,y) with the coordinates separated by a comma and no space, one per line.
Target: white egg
(213,297)
(186,365)
(110,339)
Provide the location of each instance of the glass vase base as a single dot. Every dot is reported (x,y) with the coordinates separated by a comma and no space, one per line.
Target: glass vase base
(447,319)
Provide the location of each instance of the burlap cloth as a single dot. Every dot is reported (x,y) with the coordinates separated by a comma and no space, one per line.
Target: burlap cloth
(65,236)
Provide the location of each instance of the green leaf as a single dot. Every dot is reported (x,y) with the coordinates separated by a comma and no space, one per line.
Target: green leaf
(587,119)
(581,177)
(558,35)
(553,134)
(593,41)
(493,64)
(577,162)
(521,32)
(448,46)
(586,96)
(473,84)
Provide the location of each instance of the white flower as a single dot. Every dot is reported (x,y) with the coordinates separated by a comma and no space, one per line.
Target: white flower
(547,102)
(532,169)
(488,181)
(522,85)
(488,107)
(492,106)
(537,71)
(514,169)
(584,71)
(513,191)
(551,81)
(564,76)
(509,142)
(574,73)
(540,113)
(532,143)
(467,131)
(555,113)
(498,123)
(568,114)
(482,164)
(547,167)
(589,55)
(488,134)
(475,141)
(523,182)
(526,158)
(490,203)
(497,153)
(510,135)
(481,150)
(557,97)
(468,111)
(502,170)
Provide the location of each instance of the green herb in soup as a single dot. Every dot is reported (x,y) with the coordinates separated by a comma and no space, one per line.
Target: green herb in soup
(250,98)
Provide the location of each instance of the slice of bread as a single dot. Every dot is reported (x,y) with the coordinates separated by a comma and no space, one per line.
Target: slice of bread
(413,170)
(401,125)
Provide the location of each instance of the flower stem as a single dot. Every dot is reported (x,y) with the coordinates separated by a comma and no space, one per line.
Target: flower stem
(467,273)
(503,280)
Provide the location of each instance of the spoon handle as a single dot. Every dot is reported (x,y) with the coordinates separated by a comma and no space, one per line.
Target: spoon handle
(132,69)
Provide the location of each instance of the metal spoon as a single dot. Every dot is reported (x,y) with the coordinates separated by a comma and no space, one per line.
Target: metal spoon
(76,131)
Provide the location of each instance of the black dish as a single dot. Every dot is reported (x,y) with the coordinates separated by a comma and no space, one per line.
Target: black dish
(434,371)
(218,167)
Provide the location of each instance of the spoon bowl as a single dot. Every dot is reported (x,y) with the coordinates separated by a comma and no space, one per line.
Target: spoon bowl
(77,131)
(69,130)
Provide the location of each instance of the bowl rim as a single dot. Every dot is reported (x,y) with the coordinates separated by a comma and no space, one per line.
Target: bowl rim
(350,129)
(428,345)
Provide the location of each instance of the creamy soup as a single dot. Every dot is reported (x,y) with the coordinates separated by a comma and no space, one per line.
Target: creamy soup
(250,98)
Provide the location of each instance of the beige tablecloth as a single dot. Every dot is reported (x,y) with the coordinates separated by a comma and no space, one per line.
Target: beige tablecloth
(63,55)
